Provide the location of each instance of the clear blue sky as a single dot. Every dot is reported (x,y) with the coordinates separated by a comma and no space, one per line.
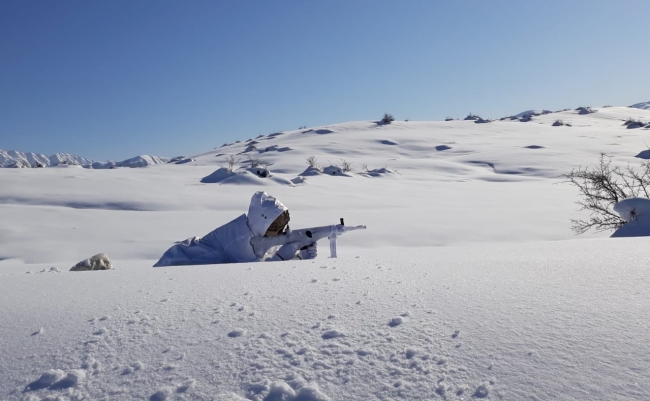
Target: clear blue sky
(114,79)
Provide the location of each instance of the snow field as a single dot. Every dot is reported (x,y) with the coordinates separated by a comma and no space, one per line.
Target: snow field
(487,321)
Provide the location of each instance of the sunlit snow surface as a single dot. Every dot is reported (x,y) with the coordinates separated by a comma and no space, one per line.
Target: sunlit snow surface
(467,284)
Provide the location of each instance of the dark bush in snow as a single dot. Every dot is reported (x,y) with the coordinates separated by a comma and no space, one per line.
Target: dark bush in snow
(585,110)
(559,123)
(632,123)
(387,119)
(482,121)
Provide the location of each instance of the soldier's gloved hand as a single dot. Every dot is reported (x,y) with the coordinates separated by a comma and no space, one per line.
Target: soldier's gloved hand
(288,251)
(308,252)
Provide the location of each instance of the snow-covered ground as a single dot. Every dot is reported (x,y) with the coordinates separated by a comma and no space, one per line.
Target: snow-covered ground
(468,282)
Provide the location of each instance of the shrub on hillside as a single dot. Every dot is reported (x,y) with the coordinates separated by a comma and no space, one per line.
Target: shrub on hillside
(559,123)
(230,163)
(312,161)
(387,119)
(601,187)
(482,121)
(472,117)
(345,165)
(585,110)
(632,123)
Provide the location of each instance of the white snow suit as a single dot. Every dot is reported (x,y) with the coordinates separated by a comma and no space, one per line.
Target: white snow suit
(230,243)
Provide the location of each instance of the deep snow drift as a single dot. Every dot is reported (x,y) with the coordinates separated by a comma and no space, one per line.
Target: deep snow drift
(467,284)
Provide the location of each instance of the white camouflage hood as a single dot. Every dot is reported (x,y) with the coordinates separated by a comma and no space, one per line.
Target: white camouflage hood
(263,209)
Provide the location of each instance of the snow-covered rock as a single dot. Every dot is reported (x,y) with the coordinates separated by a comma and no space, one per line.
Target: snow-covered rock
(532,113)
(96,262)
(636,211)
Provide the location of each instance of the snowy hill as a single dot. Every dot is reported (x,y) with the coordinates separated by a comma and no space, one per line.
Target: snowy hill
(467,284)
(643,105)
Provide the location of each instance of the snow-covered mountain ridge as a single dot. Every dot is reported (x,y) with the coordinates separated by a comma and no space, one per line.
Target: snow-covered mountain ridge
(15,159)
(11,158)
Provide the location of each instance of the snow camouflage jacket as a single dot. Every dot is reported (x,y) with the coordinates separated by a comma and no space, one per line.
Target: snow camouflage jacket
(230,243)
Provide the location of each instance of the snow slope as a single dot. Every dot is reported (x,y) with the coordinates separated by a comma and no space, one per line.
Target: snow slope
(467,284)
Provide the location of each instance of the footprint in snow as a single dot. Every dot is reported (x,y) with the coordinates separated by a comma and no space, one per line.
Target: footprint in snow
(161,395)
(236,333)
(330,334)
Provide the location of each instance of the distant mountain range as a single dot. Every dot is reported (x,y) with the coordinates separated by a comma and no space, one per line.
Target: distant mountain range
(14,159)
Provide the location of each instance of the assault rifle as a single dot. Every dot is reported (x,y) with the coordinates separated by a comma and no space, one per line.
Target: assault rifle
(306,237)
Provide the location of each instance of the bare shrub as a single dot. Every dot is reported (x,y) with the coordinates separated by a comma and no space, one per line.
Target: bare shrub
(345,165)
(312,161)
(256,162)
(231,161)
(387,118)
(601,187)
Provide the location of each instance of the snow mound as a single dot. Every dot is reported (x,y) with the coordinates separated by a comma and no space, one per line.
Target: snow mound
(636,211)
(530,113)
(642,106)
(335,170)
(379,172)
(644,154)
(311,171)
(218,176)
(252,176)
